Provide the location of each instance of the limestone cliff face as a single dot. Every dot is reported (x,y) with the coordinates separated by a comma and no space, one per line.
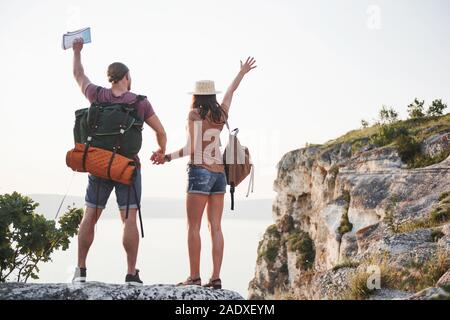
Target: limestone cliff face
(103,291)
(342,205)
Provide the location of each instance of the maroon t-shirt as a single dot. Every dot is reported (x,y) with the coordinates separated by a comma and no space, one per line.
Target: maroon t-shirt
(144,108)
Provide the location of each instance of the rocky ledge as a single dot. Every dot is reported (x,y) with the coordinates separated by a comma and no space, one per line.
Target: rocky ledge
(103,291)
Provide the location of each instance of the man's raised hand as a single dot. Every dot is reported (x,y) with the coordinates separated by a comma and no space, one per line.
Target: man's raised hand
(78,45)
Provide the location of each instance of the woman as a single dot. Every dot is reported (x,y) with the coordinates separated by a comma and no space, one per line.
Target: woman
(206,176)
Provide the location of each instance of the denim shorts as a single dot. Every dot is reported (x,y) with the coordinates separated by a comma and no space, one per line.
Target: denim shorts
(104,188)
(203,181)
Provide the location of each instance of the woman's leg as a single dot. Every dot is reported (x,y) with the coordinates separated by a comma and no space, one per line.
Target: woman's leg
(195,205)
(215,211)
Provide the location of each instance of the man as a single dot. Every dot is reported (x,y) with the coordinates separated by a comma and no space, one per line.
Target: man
(120,79)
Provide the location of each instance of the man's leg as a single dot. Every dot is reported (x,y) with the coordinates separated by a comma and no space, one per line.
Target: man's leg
(97,194)
(86,234)
(130,238)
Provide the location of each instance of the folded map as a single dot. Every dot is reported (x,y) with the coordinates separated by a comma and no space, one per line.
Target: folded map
(69,37)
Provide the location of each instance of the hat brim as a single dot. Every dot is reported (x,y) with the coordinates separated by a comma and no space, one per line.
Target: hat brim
(203,93)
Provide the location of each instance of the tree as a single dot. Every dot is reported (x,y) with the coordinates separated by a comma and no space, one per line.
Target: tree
(415,109)
(437,108)
(364,123)
(27,238)
(388,115)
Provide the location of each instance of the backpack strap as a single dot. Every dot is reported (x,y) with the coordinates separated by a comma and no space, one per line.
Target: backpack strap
(118,141)
(139,98)
(232,132)
(92,128)
(137,203)
(251,183)
(139,210)
(232,189)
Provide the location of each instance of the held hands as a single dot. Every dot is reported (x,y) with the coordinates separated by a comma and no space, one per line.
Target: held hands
(158,157)
(248,65)
(77,45)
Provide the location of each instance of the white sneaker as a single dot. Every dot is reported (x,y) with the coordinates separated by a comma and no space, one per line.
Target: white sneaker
(79,276)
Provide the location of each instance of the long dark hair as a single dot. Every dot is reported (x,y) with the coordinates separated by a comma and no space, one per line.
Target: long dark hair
(208,104)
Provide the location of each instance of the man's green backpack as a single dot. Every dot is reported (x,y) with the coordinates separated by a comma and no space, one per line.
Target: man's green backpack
(113,127)
(115,132)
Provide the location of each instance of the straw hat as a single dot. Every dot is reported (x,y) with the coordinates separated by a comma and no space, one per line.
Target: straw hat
(204,87)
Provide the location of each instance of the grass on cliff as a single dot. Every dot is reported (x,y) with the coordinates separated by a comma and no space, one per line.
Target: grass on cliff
(345,225)
(346,264)
(414,277)
(438,216)
(405,135)
(422,128)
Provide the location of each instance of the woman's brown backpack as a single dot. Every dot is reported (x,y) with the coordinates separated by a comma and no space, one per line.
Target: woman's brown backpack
(238,164)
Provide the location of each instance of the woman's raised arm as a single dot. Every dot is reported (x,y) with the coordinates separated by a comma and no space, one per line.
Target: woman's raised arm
(245,68)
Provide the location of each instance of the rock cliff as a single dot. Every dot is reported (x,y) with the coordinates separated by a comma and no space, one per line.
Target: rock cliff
(350,213)
(103,291)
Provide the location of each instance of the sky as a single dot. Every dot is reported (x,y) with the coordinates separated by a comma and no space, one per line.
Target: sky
(322,67)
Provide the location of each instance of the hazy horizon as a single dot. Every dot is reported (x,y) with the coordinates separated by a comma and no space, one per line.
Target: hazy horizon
(248,209)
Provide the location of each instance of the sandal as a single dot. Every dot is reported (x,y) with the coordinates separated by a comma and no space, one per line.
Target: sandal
(215,284)
(191,282)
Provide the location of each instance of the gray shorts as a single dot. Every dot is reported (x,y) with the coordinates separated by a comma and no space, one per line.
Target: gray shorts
(104,188)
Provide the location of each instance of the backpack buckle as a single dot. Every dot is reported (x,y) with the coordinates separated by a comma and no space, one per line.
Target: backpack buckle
(122,131)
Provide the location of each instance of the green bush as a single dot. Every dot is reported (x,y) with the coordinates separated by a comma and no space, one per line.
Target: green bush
(272,231)
(444,196)
(27,238)
(407,147)
(302,244)
(437,108)
(387,115)
(387,133)
(345,225)
(440,215)
(416,109)
(436,235)
(271,252)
